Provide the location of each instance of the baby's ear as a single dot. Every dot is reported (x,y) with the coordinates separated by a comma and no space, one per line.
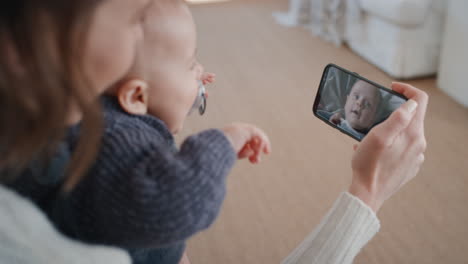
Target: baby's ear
(133,97)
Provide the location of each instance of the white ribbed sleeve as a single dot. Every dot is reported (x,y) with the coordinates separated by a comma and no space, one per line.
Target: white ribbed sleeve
(347,227)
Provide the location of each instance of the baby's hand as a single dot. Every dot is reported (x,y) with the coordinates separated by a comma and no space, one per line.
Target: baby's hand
(208,78)
(248,141)
(336,119)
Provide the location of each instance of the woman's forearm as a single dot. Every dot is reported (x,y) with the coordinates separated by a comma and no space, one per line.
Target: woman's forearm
(347,227)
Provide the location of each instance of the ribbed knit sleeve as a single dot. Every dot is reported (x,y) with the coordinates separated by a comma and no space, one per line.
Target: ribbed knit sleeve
(142,193)
(347,227)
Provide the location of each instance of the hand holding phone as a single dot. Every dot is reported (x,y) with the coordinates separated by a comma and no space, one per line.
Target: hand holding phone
(393,152)
(353,104)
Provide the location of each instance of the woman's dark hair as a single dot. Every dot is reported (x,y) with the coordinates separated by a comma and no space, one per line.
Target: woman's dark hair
(41,48)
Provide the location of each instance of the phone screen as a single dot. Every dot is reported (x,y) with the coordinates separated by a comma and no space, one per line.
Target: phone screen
(353,104)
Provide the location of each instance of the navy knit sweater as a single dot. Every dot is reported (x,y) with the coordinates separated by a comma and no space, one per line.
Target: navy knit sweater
(142,194)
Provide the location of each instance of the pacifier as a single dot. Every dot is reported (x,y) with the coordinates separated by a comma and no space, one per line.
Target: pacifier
(200,101)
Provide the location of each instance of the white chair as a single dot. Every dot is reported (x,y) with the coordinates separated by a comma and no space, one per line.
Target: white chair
(401,37)
(453,71)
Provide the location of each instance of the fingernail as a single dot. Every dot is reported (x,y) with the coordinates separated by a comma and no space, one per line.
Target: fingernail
(411,105)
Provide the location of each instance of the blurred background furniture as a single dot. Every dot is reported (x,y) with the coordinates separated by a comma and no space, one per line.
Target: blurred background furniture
(453,70)
(324,18)
(401,37)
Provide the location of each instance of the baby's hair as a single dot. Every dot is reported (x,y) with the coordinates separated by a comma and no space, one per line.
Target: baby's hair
(40,75)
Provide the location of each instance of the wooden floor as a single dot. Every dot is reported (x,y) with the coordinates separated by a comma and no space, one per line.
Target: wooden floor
(268,75)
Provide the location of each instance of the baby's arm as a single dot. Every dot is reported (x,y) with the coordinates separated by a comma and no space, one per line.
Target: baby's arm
(149,195)
(336,118)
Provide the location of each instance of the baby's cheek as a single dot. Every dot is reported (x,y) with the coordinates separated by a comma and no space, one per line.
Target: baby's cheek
(368,119)
(194,94)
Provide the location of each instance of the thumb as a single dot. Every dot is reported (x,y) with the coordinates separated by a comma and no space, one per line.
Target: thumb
(398,120)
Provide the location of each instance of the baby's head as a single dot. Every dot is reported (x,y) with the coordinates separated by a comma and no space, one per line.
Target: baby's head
(362,104)
(164,79)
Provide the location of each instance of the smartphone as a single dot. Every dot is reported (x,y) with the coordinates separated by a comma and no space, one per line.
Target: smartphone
(353,104)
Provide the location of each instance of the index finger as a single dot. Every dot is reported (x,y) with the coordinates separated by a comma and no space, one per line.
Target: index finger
(265,140)
(416,94)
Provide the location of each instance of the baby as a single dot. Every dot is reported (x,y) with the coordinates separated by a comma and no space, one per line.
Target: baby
(360,110)
(143,193)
